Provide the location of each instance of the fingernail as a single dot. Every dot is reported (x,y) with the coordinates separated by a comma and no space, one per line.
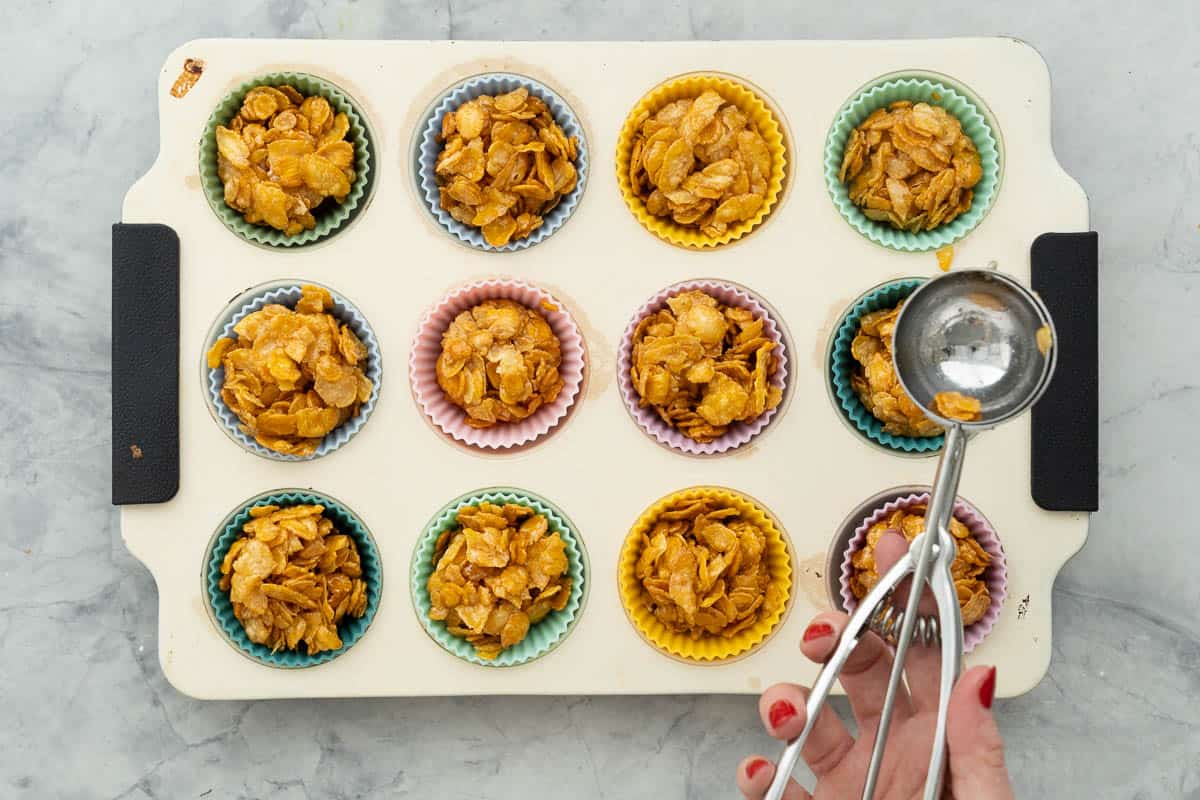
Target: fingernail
(755,766)
(818,630)
(780,712)
(987,689)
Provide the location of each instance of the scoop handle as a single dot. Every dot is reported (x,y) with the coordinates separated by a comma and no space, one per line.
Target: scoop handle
(859,624)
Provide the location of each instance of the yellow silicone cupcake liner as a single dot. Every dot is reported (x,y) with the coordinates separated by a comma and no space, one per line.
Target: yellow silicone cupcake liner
(707,649)
(750,104)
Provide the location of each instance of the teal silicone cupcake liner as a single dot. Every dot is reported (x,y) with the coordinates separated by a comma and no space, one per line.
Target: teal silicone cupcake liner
(545,635)
(956,100)
(331,216)
(287,293)
(842,366)
(221,609)
(428,147)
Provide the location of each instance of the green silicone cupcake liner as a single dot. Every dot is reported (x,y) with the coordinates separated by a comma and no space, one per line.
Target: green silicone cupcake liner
(331,217)
(842,366)
(221,609)
(545,635)
(956,100)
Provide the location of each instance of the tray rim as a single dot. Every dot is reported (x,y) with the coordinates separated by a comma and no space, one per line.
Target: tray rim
(138,187)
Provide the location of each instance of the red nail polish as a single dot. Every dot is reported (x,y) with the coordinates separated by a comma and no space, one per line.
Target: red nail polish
(755,767)
(780,712)
(987,689)
(818,630)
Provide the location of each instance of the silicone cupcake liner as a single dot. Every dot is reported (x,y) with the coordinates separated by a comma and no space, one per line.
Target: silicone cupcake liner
(739,433)
(331,217)
(428,147)
(543,636)
(221,609)
(706,649)
(287,293)
(842,367)
(690,86)
(960,104)
(995,576)
(449,418)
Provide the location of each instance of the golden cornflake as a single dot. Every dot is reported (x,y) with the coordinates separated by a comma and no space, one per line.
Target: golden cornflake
(970,560)
(499,363)
(498,574)
(701,162)
(292,578)
(911,165)
(704,568)
(874,379)
(703,365)
(1045,339)
(193,68)
(945,257)
(504,164)
(282,155)
(291,377)
(957,406)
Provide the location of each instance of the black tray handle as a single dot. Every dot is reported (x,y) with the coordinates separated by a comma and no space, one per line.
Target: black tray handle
(145,363)
(1065,474)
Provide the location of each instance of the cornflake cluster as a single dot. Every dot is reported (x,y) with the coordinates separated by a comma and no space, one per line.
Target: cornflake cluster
(875,380)
(292,578)
(704,567)
(499,363)
(911,165)
(504,164)
(701,162)
(970,561)
(958,406)
(497,574)
(703,365)
(291,377)
(282,155)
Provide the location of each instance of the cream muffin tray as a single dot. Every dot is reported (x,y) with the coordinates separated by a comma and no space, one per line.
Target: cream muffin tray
(785,248)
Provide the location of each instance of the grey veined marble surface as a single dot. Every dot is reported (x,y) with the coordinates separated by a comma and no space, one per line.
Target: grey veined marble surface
(86,712)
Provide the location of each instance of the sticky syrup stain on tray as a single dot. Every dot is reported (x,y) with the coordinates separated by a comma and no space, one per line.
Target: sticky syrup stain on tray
(600,356)
(193,68)
(832,319)
(810,579)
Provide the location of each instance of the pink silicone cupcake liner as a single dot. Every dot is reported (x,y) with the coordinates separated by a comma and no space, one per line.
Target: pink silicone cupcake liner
(995,576)
(739,433)
(449,418)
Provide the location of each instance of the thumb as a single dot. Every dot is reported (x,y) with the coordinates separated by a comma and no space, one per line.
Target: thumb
(976,767)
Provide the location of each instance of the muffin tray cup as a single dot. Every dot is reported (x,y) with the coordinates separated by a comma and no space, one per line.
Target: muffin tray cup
(176,266)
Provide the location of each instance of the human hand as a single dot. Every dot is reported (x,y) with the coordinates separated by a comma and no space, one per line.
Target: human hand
(975,763)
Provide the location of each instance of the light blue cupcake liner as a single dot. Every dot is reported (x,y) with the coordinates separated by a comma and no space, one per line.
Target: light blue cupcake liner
(221,609)
(331,217)
(428,147)
(545,635)
(842,366)
(287,293)
(961,104)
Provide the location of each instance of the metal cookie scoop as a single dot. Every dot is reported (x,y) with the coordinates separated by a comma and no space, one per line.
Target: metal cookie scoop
(975,332)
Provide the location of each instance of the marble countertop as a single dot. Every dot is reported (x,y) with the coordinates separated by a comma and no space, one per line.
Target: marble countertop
(87,713)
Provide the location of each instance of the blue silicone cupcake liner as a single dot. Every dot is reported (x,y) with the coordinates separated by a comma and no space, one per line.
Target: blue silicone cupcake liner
(842,366)
(545,635)
(428,147)
(331,217)
(221,609)
(960,103)
(288,293)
